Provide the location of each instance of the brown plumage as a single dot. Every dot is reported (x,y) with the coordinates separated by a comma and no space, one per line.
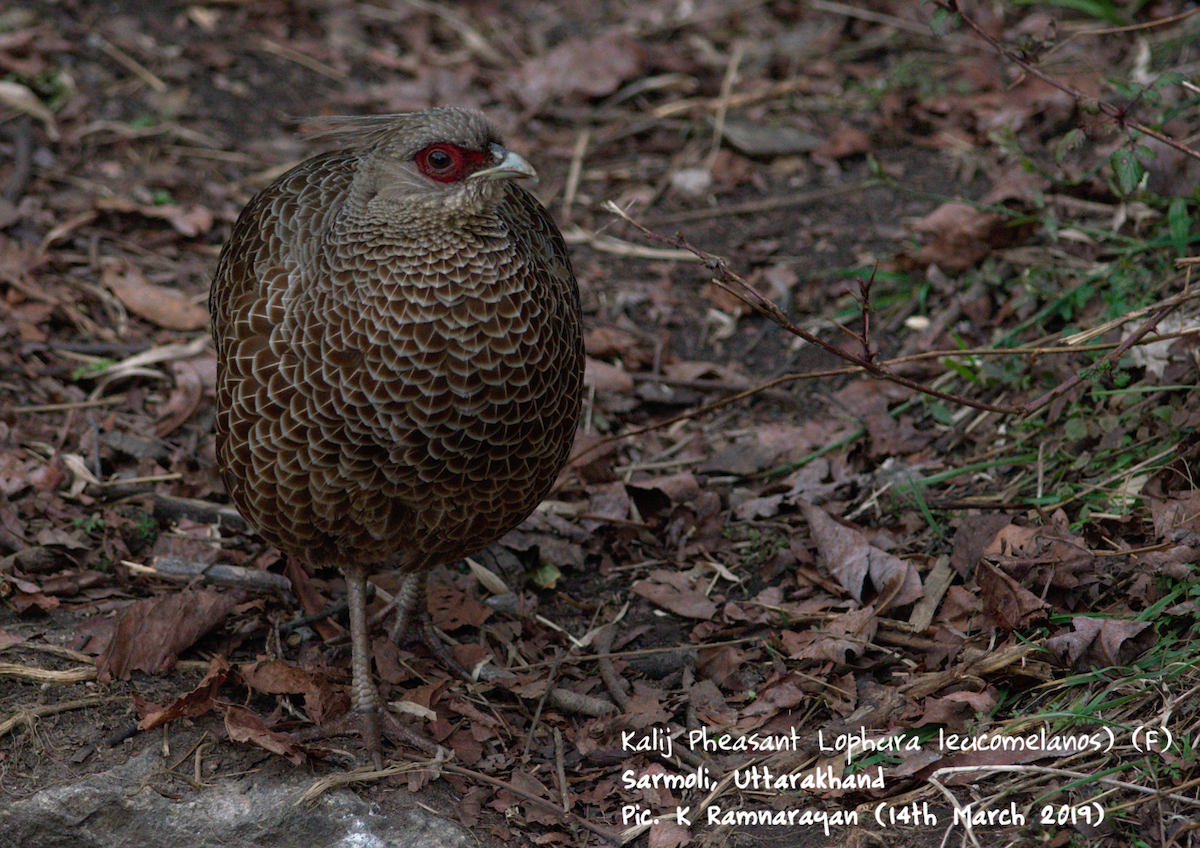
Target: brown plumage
(400,357)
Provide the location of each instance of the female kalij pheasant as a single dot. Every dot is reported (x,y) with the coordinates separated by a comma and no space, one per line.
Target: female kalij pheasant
(400,358)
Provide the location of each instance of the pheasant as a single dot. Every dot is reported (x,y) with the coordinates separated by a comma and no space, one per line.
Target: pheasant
(399,359)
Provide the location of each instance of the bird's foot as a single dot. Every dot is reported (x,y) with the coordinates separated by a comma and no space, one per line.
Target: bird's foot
(420,630)
(368,706)
(413,625)
(370,734)
(371,726)
(398,733)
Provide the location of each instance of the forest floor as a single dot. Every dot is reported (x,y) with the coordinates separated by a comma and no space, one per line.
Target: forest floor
(854,606)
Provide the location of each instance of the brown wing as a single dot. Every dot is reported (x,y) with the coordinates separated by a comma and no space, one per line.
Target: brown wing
(274,443)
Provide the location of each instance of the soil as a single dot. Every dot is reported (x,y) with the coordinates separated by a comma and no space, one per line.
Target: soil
(170,116)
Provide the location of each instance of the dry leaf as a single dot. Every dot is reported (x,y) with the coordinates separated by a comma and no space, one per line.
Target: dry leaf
(14,95)
(190,221)
(959,235)
(197,702)
(851,560)
(1008,602)
(1101,642)
(183,401)
(244,725)
(606,378)
(592,67)
(151,633)
(1180,512)
(452,608)
(162,306)
(772,139)
(677,592)
(842,640)
(843,140)
(665,832)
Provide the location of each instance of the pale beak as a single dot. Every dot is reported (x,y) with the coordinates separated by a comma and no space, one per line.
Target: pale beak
(510,166)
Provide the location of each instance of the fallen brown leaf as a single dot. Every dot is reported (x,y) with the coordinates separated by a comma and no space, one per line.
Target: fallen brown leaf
(1101,642)
(591,67)
(197,702)
(1181,511)
(606,378)
(151,633)
(842,640)
(451,608)
(1041,555)
(244,725)
(162,306)
(974,535)
(851,560)
(183,401)
(189,221)
(677,592)
(1009,603)
(8,639)
(958,236)
(665,833)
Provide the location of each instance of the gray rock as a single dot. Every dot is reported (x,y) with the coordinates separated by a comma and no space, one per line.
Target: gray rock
(121,809)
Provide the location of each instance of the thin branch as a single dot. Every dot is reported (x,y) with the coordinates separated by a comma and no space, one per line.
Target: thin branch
(1111,356)
(739,288)
(749,295)
(1115,112)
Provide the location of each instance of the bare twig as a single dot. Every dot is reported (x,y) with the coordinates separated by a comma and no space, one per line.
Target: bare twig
(922,356)
(1157,22)
(612,682)
(738,287)
(302,59)
(22,172)
(1115,112)
(764,204)
(130,64)
(572,186)
(29,716)
(851,11)
(866,363)
(1112,356)
(739,50)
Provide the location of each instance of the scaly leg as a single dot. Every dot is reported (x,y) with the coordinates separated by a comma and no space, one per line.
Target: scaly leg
(412,623)
(372,717)
(406,603)
(363,694)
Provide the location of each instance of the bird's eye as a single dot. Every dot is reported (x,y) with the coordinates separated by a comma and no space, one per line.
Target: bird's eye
(442,162)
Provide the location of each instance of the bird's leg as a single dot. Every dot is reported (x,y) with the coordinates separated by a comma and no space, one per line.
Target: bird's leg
(363,694)
(412,593)
(412,623)
(368,707)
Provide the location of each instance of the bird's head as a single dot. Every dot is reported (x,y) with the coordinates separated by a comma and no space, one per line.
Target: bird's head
(442,162)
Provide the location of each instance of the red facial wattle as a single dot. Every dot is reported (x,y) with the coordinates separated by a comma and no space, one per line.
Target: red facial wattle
(449,163)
